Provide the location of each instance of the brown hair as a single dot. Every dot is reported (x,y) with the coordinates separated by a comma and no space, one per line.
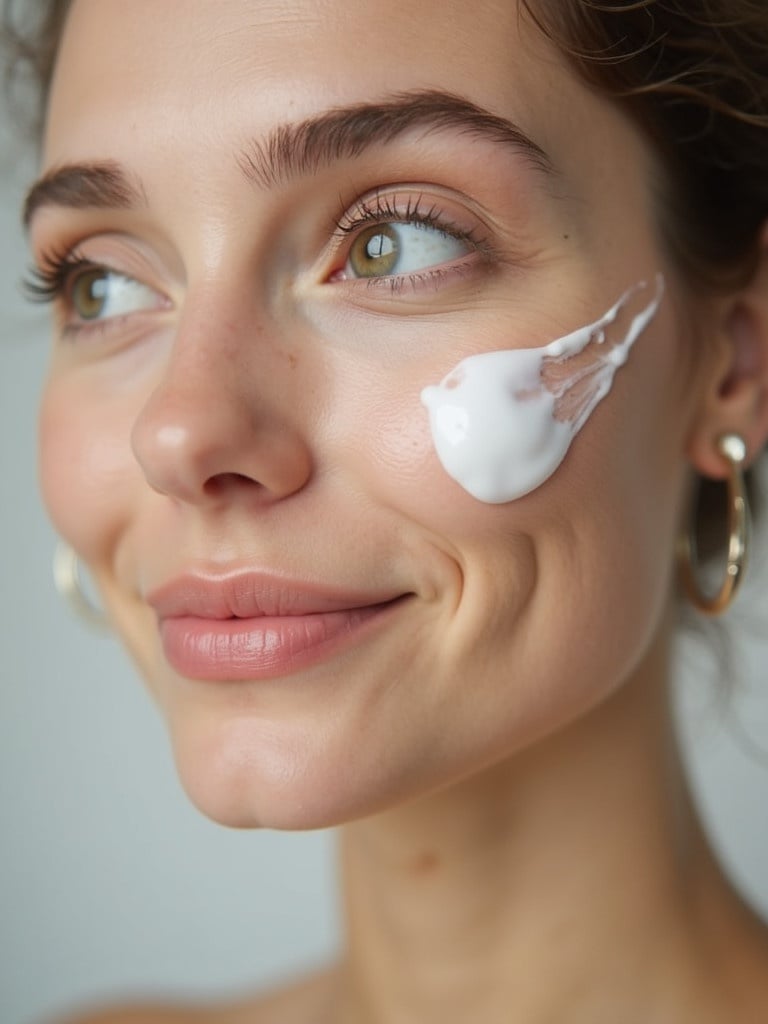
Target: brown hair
(694,75)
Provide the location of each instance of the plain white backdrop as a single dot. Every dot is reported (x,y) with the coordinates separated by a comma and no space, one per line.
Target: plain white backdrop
(111,885)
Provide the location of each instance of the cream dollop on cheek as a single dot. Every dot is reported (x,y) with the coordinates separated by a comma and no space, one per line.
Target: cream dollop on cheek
(502,422)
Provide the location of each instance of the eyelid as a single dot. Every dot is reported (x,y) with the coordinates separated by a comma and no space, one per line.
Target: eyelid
(404,203)
(57,271)
(148,258)
(413,203)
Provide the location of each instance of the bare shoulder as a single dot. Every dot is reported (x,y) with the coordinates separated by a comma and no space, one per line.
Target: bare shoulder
(140,1013)
(144,1013)
(307,1000)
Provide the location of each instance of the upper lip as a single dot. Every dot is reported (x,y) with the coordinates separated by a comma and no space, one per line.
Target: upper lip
(251,594)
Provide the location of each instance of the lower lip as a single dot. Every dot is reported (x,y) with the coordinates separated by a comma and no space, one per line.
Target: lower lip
(230,650)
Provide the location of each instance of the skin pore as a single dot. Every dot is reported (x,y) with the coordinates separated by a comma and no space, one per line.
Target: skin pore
(518,839)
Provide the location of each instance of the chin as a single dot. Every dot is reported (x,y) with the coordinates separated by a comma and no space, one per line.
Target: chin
(245,804)
(248,775)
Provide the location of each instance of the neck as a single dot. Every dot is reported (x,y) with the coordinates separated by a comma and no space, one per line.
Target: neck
(569,883)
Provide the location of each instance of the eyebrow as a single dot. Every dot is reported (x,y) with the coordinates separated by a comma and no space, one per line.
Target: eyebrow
(102,185)
(300,149)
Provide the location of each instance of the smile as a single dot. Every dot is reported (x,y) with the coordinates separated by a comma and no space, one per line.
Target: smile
(254,627)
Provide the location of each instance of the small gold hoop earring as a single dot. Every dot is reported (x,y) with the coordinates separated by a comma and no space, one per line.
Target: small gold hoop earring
(733,448)
(66,578)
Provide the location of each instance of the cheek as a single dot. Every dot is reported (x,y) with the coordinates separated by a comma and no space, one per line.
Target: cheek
(607,526)
(399,445)
(589,553)
(375,438)
(384,444)
(87,471)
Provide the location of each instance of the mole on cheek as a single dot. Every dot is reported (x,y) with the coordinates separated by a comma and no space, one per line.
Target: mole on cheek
(426,863)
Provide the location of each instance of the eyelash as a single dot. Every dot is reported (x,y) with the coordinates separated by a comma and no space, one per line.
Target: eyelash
(48,282)
(382,208)
(378,208)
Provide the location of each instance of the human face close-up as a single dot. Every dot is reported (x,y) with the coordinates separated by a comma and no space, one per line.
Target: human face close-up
(232,434)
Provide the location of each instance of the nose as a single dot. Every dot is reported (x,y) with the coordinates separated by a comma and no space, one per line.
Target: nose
(223,420)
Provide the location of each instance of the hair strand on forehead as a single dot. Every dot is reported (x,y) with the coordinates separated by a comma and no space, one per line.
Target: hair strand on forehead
(694,76)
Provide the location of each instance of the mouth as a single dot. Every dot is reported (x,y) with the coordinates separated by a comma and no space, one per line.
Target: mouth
(251,627)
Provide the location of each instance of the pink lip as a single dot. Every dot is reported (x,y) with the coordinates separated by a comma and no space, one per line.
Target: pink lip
(252,626)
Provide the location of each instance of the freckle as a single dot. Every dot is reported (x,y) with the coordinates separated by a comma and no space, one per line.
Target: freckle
(566,237)
(425,864)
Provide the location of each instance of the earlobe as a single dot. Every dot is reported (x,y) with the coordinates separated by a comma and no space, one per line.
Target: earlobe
(735,399)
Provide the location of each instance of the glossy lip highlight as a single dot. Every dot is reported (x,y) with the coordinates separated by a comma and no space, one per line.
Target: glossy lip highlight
(254,626)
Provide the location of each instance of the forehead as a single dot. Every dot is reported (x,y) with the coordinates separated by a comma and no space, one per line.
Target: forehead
(173,90)
(184,64)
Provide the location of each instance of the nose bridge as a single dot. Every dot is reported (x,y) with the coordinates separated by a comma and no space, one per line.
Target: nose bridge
(221,411)
(214,347)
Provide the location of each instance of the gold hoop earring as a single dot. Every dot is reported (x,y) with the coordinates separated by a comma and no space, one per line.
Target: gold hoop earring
(733,448)
(66,578)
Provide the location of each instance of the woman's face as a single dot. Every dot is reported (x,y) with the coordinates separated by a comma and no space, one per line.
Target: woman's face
(232,424)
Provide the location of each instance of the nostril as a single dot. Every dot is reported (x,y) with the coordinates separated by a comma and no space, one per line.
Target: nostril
(197,447)
(223,483)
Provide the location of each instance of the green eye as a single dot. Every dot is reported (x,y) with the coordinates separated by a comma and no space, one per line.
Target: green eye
(383,250)
(97,293)
(375,251)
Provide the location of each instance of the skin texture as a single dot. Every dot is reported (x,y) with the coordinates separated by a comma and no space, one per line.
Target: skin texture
(505,729)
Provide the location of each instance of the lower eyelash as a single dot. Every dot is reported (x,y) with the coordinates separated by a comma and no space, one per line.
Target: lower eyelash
(398,283)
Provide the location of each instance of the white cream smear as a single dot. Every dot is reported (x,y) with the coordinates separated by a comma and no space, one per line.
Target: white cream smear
(502,422)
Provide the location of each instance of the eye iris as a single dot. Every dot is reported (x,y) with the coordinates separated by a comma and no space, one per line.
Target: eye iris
(375,251)
(89,294)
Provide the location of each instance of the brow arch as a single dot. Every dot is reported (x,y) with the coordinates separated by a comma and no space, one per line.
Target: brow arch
(301,149)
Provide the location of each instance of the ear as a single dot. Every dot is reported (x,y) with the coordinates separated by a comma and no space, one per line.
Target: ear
(735,396)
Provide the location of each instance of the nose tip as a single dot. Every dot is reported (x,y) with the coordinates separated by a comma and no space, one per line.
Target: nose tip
(199,448)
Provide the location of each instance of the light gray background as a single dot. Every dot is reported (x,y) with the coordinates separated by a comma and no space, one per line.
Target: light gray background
(110,884)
